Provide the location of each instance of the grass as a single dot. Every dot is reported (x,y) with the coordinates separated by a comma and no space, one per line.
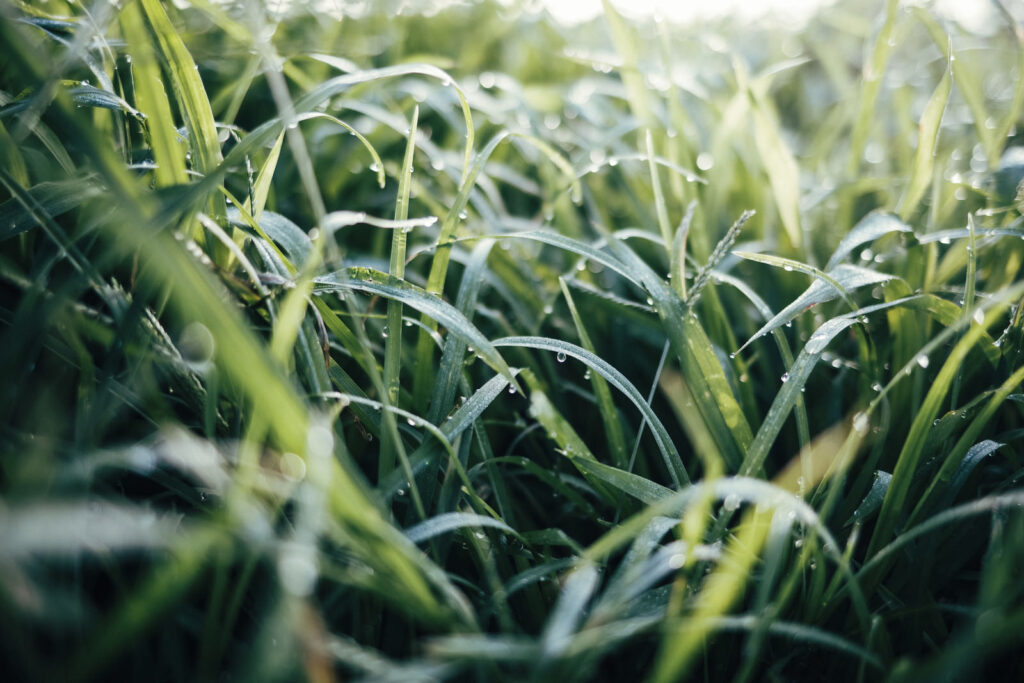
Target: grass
(471,347)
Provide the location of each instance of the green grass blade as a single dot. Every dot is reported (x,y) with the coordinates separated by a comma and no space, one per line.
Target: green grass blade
(453,521)
(610,416)
(673,462)
(393,342)
(381,284)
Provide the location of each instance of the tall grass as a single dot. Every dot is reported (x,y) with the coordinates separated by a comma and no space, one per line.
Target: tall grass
(467,346)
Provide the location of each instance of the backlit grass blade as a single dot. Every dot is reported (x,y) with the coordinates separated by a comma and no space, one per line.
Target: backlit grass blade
(927,139)
(261,188)
(151,98)
(872,74)
(781,167)
(189,92)
(659,197)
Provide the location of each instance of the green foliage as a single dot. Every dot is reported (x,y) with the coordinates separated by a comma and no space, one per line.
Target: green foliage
(704,364)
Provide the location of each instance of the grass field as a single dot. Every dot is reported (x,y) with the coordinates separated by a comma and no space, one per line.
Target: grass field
(467,346)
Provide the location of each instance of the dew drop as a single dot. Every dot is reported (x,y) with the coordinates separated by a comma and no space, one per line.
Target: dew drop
(560,357)
(785,377)
(979,316)
(922,360)
(731,502)
(860,422)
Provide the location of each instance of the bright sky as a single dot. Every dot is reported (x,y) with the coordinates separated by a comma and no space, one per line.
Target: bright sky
(977,15)
(684,10)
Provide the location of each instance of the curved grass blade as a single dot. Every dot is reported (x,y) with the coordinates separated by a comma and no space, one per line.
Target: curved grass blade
(834,284)
(965,453)
(872,499)
(668,450)
(452,521)
(605,404)
(983,506)
(574,246)
(644,490)
(52,197)
(794,381)
(876,224)
(439,266)
(381,284)
(425,70)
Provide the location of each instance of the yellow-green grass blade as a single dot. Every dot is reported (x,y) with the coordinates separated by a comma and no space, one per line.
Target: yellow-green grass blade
(927,140)
(189,91)
(872,73)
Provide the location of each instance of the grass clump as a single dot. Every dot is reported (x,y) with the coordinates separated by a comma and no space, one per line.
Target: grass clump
(468,346)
